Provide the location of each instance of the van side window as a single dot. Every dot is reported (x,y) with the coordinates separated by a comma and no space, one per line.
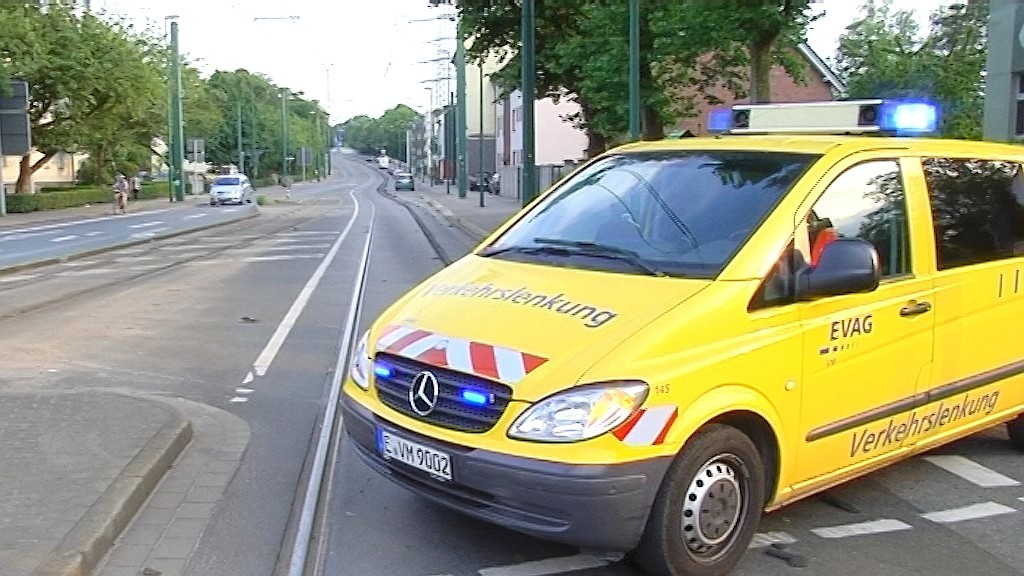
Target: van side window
(868,202)
(977,210)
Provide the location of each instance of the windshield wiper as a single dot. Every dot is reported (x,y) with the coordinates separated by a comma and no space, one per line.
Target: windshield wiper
(597,250)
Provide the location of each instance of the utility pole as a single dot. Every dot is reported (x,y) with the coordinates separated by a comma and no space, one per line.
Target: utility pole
(178,149)
(284,139)
(634,69)
(241,150)
(460,112)
(480,138)
(529,97)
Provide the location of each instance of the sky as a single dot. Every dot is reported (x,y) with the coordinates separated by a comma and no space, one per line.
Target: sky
(358,57)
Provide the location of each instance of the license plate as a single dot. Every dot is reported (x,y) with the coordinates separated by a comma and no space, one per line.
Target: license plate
(433,462)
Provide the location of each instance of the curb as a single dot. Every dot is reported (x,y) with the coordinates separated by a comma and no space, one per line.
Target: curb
(95,251)
(95,533)
(460,223)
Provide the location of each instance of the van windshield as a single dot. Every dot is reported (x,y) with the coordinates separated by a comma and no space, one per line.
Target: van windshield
(225,182)
(678,213)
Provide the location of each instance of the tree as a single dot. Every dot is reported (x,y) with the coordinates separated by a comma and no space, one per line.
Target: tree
(370,135)
(884,55)
(685,49)
(88,79)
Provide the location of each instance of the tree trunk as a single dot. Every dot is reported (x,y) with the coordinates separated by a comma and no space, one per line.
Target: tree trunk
(101,158)
(24,175)
(760,51)
(650,120)
(596,143)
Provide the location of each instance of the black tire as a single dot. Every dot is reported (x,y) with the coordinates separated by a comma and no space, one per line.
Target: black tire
(1015,428)
(714,546)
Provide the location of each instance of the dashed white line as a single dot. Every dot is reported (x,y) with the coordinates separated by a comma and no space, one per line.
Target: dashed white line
(239,399)
(93,233)
(192,216)
(147,224)
(75,223)
(244,390)
(762,539)
(971,512)
(64,238)
(286,247)
(308,233)
(862,528)
(6,279)
(86,272)
(149,234)
(280,257)
(547,566)
(972,471)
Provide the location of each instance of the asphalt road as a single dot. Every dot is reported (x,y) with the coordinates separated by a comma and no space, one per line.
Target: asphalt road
(58,240)
(201,316)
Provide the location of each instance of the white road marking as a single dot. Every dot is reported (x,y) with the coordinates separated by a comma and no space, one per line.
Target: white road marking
(149,234)
(87,272)
(19,278)
(268,354)
(546,566)
(972,471)
(238,399)
(80,263)
(763,539)
(862,528)
(64,238)
(244,390)
(248,378)
(280,257)
(93,233)
(970,512)
(147,224)
(136,258)
(76,222)
(12,237)
(145,267)
(193,216)
(308,233)
(196,246)
(287,247)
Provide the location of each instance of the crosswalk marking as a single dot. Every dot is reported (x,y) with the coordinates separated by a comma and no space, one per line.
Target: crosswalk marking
(970,512)
(971,471)
(64,238)
(862,528)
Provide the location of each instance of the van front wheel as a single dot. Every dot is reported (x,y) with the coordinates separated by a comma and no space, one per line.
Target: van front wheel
(708,507)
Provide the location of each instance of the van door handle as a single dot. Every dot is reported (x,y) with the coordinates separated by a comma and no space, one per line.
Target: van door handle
(915,309)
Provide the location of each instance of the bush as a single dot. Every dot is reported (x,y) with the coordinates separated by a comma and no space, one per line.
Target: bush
(261,200)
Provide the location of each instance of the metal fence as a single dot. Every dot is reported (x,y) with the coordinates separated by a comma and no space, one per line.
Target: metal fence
(511,178)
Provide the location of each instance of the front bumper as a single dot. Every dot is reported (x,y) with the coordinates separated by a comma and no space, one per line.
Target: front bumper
(601,507)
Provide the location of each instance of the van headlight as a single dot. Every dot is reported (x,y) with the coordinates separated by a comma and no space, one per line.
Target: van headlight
(580,413)
(359,370)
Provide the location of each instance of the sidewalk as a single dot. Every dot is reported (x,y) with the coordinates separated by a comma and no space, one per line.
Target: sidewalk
(466,213)
(72,480)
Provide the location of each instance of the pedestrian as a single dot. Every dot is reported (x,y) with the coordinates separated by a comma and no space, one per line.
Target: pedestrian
(136,183)
(120,193)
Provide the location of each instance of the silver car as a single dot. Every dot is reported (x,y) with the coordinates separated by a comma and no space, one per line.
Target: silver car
(231,188)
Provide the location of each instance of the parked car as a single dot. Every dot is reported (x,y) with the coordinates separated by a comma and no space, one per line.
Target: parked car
(234,188)
(404,181)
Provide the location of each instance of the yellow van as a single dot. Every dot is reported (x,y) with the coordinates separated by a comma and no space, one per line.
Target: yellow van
(684,334)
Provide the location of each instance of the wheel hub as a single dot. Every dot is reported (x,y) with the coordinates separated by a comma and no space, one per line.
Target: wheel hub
(712,507)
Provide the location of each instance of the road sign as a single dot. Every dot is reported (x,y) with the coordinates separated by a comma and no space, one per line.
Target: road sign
(15,126)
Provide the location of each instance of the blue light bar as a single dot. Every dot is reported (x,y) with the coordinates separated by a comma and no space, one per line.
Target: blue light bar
(383,371)
(908,118)
(475,397)
(719,120)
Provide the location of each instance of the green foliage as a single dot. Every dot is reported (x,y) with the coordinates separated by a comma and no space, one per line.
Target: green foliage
(93,80)
(370,135)
(686,48)
(884,55)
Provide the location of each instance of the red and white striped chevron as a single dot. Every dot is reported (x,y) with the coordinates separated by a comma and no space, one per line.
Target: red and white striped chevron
(484,360)
(647,426)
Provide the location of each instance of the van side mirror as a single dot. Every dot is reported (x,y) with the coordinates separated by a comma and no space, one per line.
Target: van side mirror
(846,266)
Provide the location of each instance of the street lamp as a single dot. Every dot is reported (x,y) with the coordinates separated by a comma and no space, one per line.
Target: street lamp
(284,111)
(170,111)
(634,69)
(529,71)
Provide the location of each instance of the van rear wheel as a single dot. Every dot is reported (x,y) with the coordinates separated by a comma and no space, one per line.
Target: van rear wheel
(1015,429)
(707,509)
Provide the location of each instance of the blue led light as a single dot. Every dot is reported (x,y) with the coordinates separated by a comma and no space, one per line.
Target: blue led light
(908,118)
(720,120)
(382,370)
(475,397)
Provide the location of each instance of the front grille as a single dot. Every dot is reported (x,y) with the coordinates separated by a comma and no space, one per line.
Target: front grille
(449,412)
